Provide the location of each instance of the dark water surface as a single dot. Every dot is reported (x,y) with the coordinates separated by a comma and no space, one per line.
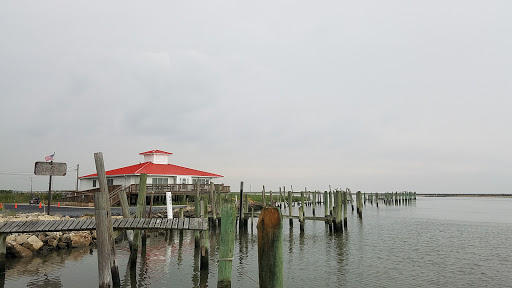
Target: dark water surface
(435,242)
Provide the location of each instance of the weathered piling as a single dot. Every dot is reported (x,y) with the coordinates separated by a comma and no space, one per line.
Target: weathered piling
(102,216)
(338,222)
(314,202)
(345,199)
(246,210)
(3,251)
(205,241)
(301,218)
(326,208)
(377,199)
(359,199)
(263,200)
(141,204)
(270,248)
(197,212)
(126,214)
(290,199)
(227,243)
(213,204)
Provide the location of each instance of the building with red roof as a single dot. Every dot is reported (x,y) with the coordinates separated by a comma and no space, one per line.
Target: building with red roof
(156,166)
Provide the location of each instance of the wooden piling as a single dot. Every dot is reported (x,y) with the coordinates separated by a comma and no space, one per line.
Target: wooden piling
(301,218)
(197,214)
(290,200)
(270,248)
(240,214)
(141,203)
(126,214)
(263,200)
(314,202)
(338,215)
(205,240)
(227,243)
(213,204)
(102,216)
(3,252)
(326,208)
(345,200)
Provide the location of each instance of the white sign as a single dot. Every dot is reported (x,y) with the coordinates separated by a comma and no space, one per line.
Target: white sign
(168,195)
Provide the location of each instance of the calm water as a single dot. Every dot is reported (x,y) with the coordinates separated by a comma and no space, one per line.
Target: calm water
(436,242)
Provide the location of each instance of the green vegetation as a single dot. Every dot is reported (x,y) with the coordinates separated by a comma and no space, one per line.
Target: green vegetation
(9,196)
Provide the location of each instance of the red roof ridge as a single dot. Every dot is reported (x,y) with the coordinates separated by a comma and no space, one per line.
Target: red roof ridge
(155,151)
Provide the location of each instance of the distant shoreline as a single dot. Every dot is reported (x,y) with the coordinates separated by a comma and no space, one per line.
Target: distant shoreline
(465,195)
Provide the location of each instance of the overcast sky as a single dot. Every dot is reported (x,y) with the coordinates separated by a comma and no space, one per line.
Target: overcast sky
(371,95)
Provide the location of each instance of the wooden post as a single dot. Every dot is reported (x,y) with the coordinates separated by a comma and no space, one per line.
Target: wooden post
(246,210)
(314,202)
(338,215)
(3,251)
(290,199)
(205,241)
(141,203)
(197,214)
(326,208)
(301,218)
(263,200)
(126,214)
(270,248)
(271,199)
(102,216)
(227,243)
(213,204)
(240,214)
(345,199)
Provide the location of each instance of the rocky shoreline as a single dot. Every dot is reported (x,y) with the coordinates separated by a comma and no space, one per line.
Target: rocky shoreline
(23,245)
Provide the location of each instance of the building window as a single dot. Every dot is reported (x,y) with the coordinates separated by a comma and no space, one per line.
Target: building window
(160,181)
(110,182)
(201,181)
(93,183)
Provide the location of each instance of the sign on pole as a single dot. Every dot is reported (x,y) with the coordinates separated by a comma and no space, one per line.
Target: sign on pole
(168,195)
(50,168)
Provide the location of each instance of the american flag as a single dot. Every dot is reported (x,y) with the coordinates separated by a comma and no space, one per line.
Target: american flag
(49,157)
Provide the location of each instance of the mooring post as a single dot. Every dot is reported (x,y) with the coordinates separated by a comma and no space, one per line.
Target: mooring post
(339,215)
(271,199)
(227,243)
(345,199)
(197,214)
(141,203)
(301,218)
(3,251)
(326,208)
(290,199)
(126,214)
(263,200)
(205,241)
(270,248)
(314,202)
(102,215)
(213,204)
(241,206)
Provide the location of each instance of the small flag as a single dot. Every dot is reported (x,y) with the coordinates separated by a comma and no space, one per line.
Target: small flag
(49,157)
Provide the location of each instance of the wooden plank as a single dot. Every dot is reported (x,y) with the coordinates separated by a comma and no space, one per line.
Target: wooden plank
(140,222)
(147,222)
(123,222)
(152,223)
(129,224)
(70,223)
(116,222)
(90,225)
(185,223)
(75,224)
(61,225)
(160,223)
(37,228)
(81,222)
(7,227)
(45,225)
(3,223)
(175,223)
(180,223)
(51,227)
(194,224)
(34,224)
(21,226)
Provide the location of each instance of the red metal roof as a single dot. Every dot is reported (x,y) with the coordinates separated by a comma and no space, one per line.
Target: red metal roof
(155,152)
(155,169)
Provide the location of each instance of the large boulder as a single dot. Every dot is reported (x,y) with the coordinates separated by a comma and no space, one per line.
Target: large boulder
(80,239)
(20,239)
(18,250)
(33,243)
(53,242)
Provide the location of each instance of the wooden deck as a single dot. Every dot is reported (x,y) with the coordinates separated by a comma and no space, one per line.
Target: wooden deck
(117,224)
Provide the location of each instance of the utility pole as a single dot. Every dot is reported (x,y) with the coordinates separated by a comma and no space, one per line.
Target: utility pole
(77,167)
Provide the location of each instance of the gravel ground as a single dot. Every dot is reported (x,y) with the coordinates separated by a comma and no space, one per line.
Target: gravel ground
(78,211)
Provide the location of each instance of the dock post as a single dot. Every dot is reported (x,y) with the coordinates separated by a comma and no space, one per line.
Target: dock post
(227,243)
(326,207)
(126,214)
(197,214)
(141,203)
(290,199)
(270,248)
(345,199)
(246,210)
(213,205)
(205,240)
(3,252)
(263,200)
(314,202)
(240,208)
(102,216)
(338,215)
(301,218)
